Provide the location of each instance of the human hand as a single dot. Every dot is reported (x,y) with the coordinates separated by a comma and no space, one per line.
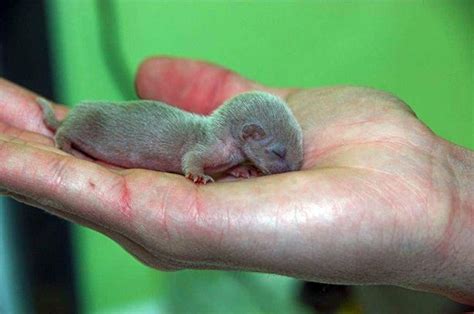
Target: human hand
(380,198)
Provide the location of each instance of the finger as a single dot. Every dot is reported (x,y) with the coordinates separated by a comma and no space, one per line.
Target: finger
(9,131)
(57,178)
(113,199)
(19,109)
(195,86)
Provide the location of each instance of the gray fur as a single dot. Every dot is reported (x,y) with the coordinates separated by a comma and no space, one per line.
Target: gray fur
(48,114)
(254,126)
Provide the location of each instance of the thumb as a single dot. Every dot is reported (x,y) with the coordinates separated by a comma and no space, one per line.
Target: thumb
(195,86)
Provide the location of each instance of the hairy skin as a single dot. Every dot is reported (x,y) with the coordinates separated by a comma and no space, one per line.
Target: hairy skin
(380,198)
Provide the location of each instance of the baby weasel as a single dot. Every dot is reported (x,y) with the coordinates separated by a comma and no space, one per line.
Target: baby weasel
(254,127)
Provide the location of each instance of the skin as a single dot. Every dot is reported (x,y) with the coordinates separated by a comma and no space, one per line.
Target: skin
(380,199)
(255,126)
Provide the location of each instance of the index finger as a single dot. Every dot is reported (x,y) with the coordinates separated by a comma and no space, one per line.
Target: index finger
(61,184)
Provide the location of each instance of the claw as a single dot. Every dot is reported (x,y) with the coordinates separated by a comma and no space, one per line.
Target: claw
(245,171)
(199,179)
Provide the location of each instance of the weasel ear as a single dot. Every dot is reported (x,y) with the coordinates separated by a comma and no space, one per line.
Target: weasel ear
(252,131)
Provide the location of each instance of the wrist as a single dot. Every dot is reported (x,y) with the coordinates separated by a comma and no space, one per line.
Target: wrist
(454,254)
(462,165)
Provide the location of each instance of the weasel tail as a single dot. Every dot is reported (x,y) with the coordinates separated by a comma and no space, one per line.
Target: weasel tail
(48,114)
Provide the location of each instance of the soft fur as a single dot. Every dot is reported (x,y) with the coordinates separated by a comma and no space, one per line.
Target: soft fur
(254,126)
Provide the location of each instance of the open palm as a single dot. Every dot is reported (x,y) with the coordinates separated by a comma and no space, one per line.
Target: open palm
(375,203)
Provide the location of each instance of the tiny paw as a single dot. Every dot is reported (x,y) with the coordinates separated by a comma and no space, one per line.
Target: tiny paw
(199,178)
(244,171)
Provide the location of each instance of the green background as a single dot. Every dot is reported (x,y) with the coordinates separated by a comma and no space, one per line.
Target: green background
(421,51)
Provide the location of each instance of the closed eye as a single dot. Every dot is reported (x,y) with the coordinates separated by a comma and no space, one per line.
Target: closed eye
(280,152)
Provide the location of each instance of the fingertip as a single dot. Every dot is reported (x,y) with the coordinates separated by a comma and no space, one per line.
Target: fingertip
(148,76)
(20,109)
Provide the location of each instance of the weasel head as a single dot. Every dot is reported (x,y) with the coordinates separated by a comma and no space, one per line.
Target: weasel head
(270,136)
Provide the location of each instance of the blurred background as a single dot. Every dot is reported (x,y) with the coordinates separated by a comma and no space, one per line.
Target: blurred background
(71,50)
